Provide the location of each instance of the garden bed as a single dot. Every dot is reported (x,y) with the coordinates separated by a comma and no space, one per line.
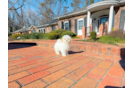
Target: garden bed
(107,40)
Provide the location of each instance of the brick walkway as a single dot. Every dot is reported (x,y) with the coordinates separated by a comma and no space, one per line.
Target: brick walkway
(40,67)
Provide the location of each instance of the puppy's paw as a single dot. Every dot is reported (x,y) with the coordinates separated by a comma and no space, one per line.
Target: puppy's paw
(57,53)
(64,55)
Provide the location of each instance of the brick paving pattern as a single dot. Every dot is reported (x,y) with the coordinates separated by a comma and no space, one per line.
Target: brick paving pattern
(40,67)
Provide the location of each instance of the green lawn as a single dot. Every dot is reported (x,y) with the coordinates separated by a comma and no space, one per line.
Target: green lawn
(107,40)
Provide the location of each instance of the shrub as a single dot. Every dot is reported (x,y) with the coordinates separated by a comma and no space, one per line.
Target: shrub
(15,36)
(59,31)
(32,36)
(68,33)
(45,36)
(117,34)
(93,35)
(24,36)
(52,35)
(111,40)
(35,36)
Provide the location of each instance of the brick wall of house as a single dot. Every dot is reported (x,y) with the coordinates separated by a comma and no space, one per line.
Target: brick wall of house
(72,21)
(47,29)
(117,17)
(57,27)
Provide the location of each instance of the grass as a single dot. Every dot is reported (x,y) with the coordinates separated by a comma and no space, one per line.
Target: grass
(106,40)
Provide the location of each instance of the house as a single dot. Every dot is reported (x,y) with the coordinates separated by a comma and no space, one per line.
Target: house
(51,25)
(111,12)
(46,28)
(31,29)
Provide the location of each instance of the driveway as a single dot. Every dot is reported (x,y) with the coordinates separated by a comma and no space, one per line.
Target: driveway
(31,66)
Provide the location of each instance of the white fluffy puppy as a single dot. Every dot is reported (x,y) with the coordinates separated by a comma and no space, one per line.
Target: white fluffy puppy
(62,45)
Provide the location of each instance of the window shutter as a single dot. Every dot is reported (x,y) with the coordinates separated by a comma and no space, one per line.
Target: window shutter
(85,21)
(69,25)
(76,26)
(62,25)
(122,19)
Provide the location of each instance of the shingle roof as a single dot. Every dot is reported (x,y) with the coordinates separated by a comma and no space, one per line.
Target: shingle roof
(23,29)
(84,9)
(51,22)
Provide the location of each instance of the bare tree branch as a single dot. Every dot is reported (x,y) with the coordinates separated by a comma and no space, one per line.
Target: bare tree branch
(13,4)
(19,6)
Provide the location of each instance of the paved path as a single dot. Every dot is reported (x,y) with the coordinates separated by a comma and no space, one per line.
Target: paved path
(39,67)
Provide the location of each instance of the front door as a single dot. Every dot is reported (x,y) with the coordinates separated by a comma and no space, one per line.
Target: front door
(80,25)
(104,20)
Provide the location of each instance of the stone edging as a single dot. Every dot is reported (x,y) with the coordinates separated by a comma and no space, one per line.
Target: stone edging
(118,52)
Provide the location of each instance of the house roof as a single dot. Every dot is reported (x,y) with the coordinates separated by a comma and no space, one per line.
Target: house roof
(54,21)
(81,10)
(23,29)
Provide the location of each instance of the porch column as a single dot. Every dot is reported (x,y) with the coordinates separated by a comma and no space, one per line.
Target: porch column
(88,18)
(111,13)
(88,22)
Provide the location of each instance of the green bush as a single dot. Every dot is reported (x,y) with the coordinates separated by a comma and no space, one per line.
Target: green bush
(32,36)
(53,35)
(68,33)
(45,36)
(15,36)
(59,31)
(93,35)
(24,36)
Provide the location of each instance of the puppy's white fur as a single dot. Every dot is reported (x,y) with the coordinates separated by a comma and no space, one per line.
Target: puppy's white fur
(62,45)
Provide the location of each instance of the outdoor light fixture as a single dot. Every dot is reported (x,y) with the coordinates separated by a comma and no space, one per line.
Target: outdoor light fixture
(94,18)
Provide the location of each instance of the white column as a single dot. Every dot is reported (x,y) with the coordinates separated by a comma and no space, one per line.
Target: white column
(111,12)
(88,21)
(88,18)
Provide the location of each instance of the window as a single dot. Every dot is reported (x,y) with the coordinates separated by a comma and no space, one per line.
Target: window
(34,31)
(80,24)
(66,25)
(52,27)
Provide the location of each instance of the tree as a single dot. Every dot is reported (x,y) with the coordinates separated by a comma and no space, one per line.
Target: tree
(76,4)
(87,2)
(91,1)
(12,3)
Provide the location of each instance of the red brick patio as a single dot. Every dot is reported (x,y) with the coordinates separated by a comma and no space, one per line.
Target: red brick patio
(40,67)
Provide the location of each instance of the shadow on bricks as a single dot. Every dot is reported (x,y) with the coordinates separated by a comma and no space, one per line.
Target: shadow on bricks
(16,45)
(122,55)
(122,64)
(113,87)
(72,52)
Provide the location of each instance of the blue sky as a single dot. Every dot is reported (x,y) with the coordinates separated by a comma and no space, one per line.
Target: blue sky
(71,1)
(66,4)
